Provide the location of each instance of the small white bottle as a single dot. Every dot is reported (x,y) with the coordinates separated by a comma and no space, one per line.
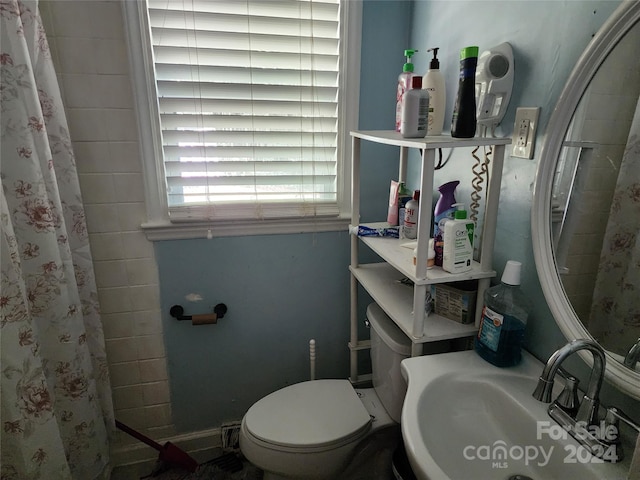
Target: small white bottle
(415,111)
(431,255)
(433,82)
(410,225)
(457,256)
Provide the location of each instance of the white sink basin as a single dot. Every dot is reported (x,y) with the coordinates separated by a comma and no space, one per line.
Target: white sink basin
(465,419)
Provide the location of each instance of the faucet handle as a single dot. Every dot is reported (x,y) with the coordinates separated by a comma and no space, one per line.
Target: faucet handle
(568,399)
(614,414)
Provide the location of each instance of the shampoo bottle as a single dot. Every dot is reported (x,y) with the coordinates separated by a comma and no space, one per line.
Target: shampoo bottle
(415,111)
(404,84)
(443,211)
(463,123)
(433,82)
(410,226)
(504,317)
(457,251)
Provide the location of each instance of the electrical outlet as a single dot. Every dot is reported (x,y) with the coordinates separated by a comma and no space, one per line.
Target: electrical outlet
(524,132)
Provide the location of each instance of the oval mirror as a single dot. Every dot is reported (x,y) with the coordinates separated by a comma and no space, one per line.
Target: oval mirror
(586,207)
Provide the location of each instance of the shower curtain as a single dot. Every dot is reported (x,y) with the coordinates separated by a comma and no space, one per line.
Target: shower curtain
(615,311)
(56,409)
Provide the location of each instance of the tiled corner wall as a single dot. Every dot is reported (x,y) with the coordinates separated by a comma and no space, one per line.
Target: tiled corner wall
(87,42)
(607,114)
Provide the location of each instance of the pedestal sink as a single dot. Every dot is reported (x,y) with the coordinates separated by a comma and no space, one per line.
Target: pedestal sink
(465,419)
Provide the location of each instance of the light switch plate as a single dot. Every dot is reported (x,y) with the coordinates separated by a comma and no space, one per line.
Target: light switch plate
(524,132)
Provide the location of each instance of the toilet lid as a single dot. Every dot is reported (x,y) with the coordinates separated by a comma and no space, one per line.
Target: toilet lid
(309,414)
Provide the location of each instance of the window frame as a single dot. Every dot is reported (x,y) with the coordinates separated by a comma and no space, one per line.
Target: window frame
(158,225)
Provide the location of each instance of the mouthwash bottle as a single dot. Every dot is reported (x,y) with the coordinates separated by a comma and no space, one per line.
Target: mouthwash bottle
(504,317)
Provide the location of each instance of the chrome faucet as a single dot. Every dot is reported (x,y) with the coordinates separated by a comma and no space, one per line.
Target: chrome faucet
(581,421)
(633,355)
(588,410)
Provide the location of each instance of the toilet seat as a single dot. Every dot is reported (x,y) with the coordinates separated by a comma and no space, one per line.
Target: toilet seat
(309,416)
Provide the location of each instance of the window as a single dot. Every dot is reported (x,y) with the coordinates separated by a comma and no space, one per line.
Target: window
(243,109)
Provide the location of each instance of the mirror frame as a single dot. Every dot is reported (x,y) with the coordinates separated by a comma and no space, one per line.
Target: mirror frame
(607,37)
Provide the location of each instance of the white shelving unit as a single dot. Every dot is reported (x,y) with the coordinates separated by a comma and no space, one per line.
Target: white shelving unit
(382,280)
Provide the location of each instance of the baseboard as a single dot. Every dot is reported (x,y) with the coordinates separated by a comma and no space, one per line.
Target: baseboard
(201,445)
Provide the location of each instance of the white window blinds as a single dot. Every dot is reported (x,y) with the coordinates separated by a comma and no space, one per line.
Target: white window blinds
(248,94)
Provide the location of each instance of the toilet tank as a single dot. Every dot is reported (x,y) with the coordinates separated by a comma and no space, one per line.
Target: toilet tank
(389,346)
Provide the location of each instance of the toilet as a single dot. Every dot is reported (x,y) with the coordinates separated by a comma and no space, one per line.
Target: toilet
(316,429)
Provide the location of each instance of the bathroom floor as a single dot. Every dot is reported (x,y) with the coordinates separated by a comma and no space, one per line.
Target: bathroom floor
(377,457)
(208,470)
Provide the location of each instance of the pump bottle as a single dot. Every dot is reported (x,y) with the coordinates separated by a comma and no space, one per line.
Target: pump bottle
(457,251)
(463,123)
(433,82)
(404,84)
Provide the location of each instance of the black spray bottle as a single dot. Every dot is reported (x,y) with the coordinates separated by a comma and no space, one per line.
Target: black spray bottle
(463,124)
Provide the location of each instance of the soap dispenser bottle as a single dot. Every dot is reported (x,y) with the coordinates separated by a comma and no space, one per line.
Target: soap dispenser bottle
(404,84)
(433,82)
(457,251)
(504,317)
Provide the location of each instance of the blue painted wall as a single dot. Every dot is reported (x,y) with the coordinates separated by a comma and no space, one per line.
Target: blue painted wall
(283,290)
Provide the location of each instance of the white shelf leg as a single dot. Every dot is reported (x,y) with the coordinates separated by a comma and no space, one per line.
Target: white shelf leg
(419,295)
(355,220)
(404,158)
(424,214)
(354,329)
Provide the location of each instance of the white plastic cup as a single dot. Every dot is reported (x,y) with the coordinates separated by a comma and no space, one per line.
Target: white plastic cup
(511,274)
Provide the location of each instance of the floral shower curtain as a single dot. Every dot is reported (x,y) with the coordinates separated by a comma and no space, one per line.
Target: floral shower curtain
(615,311)
(56,410)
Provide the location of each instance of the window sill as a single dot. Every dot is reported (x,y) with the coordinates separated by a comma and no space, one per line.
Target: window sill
(165,230)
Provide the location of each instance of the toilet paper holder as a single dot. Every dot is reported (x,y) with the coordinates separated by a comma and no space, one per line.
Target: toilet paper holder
(219,311)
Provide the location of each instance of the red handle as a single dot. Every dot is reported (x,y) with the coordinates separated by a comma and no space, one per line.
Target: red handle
(138,435)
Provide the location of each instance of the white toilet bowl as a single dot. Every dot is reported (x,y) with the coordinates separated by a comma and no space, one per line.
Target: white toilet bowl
(312,430)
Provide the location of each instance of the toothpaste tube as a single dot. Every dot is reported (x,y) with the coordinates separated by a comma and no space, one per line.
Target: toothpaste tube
(363,231)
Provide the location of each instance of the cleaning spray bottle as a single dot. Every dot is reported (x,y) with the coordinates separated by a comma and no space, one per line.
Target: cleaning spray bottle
(433,82)
(504,317)
(404,84)
(443,211)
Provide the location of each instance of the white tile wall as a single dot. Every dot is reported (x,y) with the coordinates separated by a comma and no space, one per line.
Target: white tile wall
(88,46)
(608,111)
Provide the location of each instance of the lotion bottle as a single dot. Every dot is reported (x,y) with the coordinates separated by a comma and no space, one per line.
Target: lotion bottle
(433,82)
(404,84)
(410,225)
(464,122)
(415,111)
(457,252)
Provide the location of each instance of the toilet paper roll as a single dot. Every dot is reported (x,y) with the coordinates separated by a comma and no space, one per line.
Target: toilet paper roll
(204,319)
